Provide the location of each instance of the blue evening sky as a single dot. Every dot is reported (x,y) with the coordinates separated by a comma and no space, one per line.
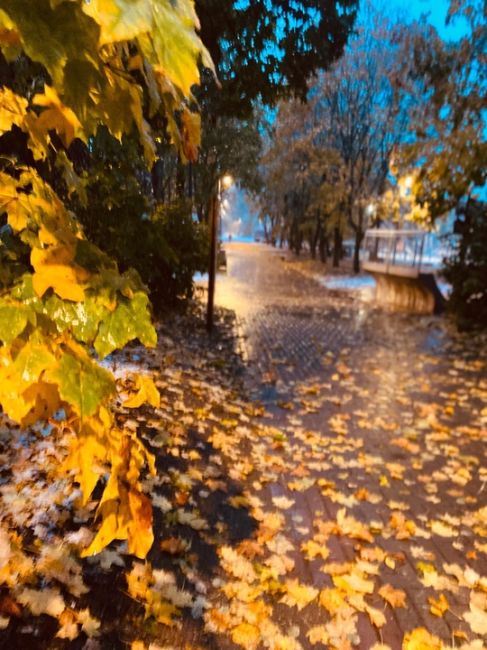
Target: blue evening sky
(436,10)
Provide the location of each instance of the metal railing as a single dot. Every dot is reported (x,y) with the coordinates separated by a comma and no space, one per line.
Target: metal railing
(394,247)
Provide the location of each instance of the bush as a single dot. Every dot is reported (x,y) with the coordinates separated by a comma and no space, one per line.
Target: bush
(162,243)
(466,270)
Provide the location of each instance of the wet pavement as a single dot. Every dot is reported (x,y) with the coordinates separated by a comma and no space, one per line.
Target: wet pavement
(397,408)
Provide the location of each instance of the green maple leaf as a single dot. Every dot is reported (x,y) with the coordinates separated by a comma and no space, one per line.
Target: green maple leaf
(13,320)
(130,320)
(82,383)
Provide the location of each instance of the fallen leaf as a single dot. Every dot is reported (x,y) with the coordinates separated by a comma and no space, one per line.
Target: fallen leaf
(438,606)
(45,601)
(298,595)
(395,597)
(421,639)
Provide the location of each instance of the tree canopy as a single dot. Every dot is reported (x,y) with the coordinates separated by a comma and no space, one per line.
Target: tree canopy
(268,50)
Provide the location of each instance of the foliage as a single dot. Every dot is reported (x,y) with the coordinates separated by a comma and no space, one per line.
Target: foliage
(159,240)
(232,146)
(60,295)
(346,135)
(466,270)
(269,50)
(447,147)
(447,140)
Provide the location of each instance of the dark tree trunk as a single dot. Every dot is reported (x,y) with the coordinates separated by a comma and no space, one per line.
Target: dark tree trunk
(359,236)
(314,239)
(337,246)
(323,245)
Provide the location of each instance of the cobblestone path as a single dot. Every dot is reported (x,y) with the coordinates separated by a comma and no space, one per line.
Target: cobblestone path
(409,396)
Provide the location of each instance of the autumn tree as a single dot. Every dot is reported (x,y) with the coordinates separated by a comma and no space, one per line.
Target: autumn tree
(446,151)
(263,51)
(362,116)
(60,296)
(303,183)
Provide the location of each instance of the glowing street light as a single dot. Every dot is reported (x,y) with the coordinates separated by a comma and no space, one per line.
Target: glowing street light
(226,182)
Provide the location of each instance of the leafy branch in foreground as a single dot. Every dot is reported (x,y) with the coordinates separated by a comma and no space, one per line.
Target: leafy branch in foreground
(60,296)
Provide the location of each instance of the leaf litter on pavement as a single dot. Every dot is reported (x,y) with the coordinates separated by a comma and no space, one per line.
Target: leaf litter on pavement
(351,514)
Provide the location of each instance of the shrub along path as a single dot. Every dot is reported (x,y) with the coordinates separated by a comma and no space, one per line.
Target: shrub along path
(320,485)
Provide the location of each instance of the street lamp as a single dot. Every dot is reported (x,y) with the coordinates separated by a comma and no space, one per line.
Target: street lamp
(223,182)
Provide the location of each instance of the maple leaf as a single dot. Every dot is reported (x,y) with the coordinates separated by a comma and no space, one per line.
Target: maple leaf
(333,600)
(317,634)
(235,564)
(57,117)
(298,595)
(421,639)
(246,635)
(46,601)
(348,526)
(443,529)
(476,617)
(13,109)
(69,625)
(283,502)
(353,582)
(312,550)
(146,392)
(438,606)
(139,579)
(395,597)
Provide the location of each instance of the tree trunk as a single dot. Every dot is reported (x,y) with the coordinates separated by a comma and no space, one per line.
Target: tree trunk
(315,236)
(359,236)
(323,245)
(337,246)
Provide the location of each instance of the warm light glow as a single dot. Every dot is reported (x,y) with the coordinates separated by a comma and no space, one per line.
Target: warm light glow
(370,209)
(227,181)
(408,182)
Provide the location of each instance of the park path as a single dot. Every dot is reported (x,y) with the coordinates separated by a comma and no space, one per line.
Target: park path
(321,485)
(385,418)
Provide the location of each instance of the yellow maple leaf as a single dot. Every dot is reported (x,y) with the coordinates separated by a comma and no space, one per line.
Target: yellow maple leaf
(56,116)
(376,617)
(442,529)
(246,635)
(312,550)
(139,580)
(69,626)
(283,502)
(477,619)
(44,601)
(395,597)
(438,606)
(12,109)
(146,392)
(352,582)
(332,600)
(317,634)
(160,608)
(298,595)
(421,639)
(236,565)
(55,268)
(348,526)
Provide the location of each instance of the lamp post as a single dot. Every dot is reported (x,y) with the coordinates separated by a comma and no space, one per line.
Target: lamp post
(223,182)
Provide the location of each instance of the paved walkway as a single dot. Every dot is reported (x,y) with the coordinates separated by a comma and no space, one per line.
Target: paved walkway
(385,416)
